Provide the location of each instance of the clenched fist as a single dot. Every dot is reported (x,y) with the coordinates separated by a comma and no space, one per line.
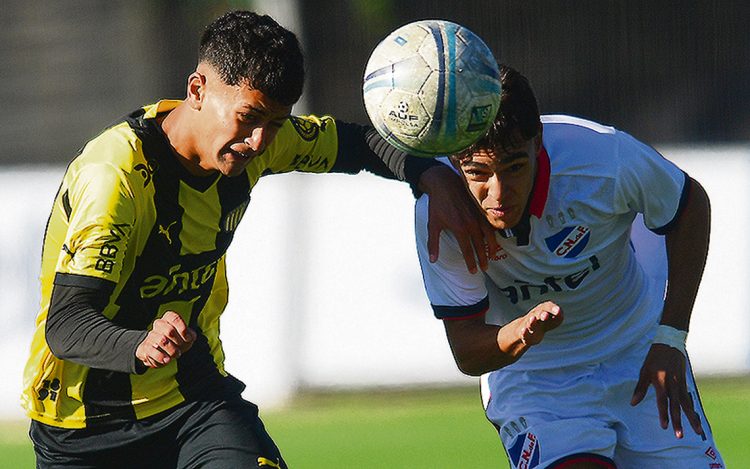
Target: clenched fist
(169,338)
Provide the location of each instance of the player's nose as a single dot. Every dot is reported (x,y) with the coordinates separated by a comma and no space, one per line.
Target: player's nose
(496,188)
(257,139)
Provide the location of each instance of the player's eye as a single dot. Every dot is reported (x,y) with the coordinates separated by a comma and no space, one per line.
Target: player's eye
(248,118)
(515,167)
(476,174)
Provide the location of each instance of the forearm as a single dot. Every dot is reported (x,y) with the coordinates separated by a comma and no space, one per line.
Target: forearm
(77,331)
(479,347)
(361,147)
(486,347)
(687,247)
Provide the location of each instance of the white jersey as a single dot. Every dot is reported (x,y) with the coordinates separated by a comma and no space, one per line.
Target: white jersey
(576,250)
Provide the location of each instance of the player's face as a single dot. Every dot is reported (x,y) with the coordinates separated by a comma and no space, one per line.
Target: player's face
(236,124)
(501,181)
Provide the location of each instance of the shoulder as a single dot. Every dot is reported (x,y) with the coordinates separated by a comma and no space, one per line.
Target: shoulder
(114,159)
(573,134)
(572,124)
(582,147)
(303,130)
(309,127)
(303,143)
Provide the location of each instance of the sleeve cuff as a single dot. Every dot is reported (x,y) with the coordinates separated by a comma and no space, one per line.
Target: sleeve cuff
(463,311)
(414,167)
(681,205)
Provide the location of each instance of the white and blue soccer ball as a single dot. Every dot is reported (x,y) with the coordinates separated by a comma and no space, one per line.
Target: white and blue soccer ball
(432,88)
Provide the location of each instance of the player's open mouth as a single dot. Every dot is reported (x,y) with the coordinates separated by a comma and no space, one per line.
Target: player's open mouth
(240,154)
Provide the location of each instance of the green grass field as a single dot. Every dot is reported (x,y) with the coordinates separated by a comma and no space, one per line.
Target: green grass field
(439,428)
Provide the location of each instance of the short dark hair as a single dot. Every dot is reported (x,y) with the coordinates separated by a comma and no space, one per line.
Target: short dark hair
(518,115)
(245,47)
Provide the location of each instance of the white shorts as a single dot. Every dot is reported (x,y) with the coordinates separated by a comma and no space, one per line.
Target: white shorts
(544,416)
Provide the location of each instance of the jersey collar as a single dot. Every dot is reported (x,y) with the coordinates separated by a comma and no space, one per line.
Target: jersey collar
(537,200)
(541,184)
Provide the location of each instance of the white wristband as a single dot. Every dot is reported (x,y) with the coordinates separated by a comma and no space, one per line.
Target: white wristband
(668,335)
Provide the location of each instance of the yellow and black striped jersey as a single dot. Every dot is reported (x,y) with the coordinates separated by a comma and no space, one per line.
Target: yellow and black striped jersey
(129,217)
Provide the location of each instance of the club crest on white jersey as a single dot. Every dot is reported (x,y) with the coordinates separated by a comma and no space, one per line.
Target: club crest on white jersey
(525,453)
(569,242)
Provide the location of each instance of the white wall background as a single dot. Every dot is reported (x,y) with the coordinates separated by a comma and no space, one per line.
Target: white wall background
(326,289)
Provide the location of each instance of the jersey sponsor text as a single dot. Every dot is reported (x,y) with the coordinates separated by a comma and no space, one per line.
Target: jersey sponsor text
(524,290)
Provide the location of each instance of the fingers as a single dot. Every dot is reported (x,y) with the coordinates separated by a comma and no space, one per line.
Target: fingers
(684,402)
(675,414)
(664,370)
(662,404)
(184,335)
(433,240)
(542,318)
(640,389)
(477,243)
(168,339)
(469,245)
(157,350)
(467,249)
(549,315)
(679,402)
(150,353)
(527,334)
(452,209)
(693,418)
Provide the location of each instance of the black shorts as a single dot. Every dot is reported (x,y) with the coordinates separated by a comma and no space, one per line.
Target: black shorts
(209,434)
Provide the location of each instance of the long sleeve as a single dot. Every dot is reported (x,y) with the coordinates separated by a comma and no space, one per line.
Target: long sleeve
(361,147)
(77,331)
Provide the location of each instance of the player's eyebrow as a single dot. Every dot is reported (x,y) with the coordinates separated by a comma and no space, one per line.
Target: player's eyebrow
(473,164)
(257,110)
(506,159)
(263,113)
(511,157)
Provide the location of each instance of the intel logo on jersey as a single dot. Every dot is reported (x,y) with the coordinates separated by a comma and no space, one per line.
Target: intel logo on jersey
(570,241)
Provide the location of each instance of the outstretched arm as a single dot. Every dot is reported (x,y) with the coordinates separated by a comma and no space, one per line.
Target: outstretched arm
(664,367)
(451,208)
(478,347)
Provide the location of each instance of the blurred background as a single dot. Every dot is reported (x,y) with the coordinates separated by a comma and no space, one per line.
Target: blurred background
(666,71)
(326,288)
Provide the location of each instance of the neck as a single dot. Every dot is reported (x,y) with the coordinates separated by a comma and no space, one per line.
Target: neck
(175,125)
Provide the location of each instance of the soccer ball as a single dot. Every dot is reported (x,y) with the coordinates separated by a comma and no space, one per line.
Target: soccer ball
(432,88)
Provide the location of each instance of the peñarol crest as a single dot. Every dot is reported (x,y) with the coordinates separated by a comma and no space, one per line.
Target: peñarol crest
(307,129)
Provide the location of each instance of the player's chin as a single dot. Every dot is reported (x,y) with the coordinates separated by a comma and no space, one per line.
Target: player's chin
(233,166)
(500,223)
(234,171)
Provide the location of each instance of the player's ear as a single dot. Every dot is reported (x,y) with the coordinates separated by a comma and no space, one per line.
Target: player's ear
(196,87)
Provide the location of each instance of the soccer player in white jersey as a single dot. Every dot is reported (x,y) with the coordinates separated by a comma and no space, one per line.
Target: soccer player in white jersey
(581,351)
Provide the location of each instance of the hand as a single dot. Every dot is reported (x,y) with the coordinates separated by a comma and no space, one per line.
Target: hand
(664,369)
(542,318)
(452,208)
(516,337)
(168,339)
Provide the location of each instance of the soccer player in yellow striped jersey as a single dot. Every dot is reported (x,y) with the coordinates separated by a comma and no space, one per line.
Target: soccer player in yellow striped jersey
(126,366)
